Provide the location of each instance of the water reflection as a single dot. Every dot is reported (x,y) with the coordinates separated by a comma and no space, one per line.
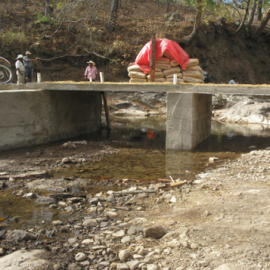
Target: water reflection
(142,156)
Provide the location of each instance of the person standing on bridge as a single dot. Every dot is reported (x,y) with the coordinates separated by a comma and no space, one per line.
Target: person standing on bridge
(27,61)
(20,69)
(90,72)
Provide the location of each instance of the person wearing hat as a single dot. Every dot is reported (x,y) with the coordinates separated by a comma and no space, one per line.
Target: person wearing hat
(27,61)
(90,71)
(20,69)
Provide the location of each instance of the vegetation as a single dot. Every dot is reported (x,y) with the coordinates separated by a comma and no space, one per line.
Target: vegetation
(113,31)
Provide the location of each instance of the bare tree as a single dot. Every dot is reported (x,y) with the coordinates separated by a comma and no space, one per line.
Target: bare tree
(48,8)
(259,11)
(197,20)
(251,15)
(262,25)
(167,5)
(113,16)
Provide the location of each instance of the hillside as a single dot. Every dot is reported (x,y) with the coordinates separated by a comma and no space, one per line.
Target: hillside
(76,32)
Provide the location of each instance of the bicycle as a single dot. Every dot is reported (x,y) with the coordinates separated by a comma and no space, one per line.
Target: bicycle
(6,74)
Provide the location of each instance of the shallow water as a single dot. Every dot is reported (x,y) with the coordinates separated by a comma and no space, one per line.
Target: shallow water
(141,157)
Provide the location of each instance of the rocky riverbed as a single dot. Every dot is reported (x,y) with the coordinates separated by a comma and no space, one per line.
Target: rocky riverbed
(218,221)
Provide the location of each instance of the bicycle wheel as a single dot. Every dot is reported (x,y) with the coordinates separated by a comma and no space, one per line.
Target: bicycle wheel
(5,74)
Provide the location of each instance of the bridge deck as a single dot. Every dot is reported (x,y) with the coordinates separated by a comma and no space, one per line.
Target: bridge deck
(241,89)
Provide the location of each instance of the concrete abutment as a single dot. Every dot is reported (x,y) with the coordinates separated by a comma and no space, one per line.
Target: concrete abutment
(188,120)
(32,117)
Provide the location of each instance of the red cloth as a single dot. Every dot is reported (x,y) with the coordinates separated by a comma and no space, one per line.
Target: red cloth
(169,47)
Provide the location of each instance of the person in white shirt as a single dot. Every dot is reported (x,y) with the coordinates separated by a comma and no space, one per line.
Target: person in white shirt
(233,81)
(20,69)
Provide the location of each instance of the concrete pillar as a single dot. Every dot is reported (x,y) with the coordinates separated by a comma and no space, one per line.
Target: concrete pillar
(188,120)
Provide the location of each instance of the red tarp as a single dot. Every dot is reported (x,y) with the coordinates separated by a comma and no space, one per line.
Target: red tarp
(168,47)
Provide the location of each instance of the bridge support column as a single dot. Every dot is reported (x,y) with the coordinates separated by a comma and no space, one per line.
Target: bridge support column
(188,120)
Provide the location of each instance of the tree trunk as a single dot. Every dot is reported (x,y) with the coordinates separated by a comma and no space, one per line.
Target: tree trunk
(197,20)
(259,10)
(251,15)
(167,5)
(113,16)
(48,8)
(262,25)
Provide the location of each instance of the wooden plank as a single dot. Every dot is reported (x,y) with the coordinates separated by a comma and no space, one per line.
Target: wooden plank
(153,59)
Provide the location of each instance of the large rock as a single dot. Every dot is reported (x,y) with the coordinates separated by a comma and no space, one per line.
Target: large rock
(25,260)
(154,232)
(20,235)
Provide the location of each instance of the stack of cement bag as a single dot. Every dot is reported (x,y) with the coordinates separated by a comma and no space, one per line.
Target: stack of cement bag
(165,69)
(193,72)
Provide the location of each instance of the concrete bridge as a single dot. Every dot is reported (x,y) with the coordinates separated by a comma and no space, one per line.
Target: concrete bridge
(38,113)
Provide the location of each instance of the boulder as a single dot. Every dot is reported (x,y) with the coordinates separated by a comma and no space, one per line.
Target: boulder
(24,260)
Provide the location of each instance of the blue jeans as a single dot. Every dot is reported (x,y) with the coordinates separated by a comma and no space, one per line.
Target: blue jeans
(28,73)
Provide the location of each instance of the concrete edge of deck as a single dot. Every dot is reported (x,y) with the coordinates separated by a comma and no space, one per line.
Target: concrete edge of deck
(148,87)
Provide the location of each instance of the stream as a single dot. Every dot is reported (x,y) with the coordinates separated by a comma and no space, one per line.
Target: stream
(142,158)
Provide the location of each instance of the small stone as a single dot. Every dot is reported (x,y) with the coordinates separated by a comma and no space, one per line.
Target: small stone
(57,267)
(74,266)
(122,266)
(57,222)
(194,246)
(62,204)
(72,241)
(223,267)
(80,256)
(124,255)
(87,241)
(45,200)
(65,160)
(155,232)
(152,267)
(2,251)
(30,195)
(173,199)
(126,239)
(137,257)
(103,264)
(94,200)
(90,223)
(111,215)
(134,230)
(119,234)
(133,264)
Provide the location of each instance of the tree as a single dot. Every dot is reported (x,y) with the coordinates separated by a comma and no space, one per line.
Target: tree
(262,25)
(113,16)
(259,10)
(167,5)
(251,15)
(197,21)
(48,8)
